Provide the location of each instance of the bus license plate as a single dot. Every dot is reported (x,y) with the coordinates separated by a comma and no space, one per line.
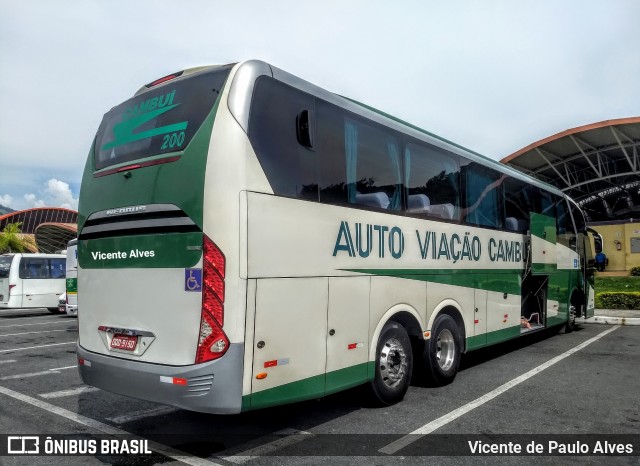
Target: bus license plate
(124,342)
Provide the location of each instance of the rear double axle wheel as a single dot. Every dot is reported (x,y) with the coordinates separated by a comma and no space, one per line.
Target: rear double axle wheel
(441,354)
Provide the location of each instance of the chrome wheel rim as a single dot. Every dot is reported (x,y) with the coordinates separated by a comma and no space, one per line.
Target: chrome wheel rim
(445,349)
(393,362)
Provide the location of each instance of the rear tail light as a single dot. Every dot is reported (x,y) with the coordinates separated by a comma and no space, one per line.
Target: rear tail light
(212,341)
(10,287)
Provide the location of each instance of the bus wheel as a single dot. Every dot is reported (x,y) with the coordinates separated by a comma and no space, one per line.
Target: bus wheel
(442,350)
(394,365)
(571,320)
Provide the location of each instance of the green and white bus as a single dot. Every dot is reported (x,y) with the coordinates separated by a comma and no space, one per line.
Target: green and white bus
(247,239)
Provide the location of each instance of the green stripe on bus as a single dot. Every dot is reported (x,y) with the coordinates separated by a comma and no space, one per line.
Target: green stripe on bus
(543,269)
(309,388)
(72,285)
(348,377)
(503,281)
(491,338)
(170,250)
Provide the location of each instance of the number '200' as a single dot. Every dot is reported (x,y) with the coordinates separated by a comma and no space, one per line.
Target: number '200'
(169,141)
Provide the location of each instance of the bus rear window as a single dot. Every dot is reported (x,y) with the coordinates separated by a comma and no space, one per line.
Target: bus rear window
(158,121)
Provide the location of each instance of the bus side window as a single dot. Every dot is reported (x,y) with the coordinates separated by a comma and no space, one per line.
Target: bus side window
(372,160)
(332,175)
(517,205)
(432,182)
(483,195)
(57,268)
(31,267)
(274,132)
(544,203)
(359,162)
(566,234)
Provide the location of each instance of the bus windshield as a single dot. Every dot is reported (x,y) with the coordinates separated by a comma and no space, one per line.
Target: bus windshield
(5,265)
(159,121)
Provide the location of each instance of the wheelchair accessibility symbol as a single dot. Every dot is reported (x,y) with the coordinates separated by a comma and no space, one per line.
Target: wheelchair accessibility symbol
(192,279)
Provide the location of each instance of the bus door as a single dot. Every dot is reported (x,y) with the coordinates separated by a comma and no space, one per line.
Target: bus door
(542,262)
(588,270)
(543,244)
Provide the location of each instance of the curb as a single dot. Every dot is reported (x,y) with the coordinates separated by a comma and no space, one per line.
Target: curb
(608,320)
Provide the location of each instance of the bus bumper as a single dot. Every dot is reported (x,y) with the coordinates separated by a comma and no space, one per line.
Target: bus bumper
(211,387)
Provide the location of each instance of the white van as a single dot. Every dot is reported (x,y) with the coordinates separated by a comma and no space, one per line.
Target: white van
(72,278)
(31,280)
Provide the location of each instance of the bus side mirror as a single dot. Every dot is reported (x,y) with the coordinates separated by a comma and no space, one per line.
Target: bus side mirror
(303,129)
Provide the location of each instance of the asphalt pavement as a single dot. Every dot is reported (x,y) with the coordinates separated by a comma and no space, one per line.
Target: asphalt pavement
(577,387)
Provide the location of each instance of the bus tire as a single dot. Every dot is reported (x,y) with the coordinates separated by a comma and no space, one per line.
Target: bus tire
(570,325)
(394,365)
(442,351)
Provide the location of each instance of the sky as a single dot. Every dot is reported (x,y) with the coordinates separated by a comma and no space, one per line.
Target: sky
(491,75)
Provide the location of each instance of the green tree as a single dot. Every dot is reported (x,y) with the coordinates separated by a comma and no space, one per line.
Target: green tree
(12,241)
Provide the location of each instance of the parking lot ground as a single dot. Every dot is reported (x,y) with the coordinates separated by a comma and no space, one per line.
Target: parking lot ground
(590,392)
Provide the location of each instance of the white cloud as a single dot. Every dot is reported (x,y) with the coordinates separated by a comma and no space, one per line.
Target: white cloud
(6,200)
(32,201)
(54,193)
(60,195)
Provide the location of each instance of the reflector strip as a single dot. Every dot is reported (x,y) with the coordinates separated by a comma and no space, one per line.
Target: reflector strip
(355,345)
(173,380)
(84,362)
(277,362)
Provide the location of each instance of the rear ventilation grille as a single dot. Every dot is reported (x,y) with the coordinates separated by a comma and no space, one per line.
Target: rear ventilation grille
(200,385)
(137,220)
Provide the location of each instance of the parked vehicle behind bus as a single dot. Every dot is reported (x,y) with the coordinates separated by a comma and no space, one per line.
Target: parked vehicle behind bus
(71,302)
(31,280)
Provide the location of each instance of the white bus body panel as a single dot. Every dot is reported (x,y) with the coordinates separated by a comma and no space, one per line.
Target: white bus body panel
(136,301)
(291,322)
(349,318)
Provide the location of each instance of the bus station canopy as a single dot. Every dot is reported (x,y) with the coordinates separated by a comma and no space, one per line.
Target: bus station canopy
(52,227)
(53,237)
(597,165)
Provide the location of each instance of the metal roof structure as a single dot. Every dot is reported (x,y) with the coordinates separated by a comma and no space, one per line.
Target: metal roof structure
(31,218)
(597,165)
(52,227)
(53,237)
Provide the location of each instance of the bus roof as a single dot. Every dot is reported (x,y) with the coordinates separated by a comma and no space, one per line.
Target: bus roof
(247,72)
